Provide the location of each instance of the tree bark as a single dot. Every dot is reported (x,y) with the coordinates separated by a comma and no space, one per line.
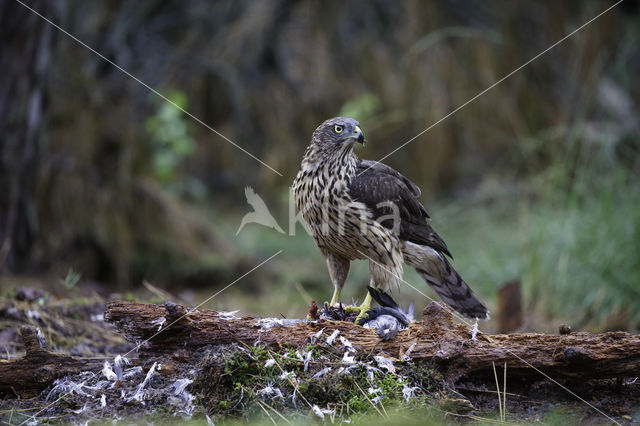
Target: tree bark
(437,340)
(161,331)
(27,376)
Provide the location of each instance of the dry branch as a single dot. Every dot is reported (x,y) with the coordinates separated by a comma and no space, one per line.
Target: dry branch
(39,367)
(438,340)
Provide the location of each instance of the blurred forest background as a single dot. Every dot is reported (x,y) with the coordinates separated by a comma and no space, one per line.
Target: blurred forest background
(103,185)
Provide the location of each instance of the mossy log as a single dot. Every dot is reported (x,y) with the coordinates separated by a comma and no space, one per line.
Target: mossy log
(27,376)
(436,340)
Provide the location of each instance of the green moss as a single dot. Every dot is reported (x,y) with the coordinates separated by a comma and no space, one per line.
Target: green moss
(243,375)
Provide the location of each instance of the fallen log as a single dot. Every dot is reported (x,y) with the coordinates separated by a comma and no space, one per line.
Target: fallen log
(27,376)
(160,330)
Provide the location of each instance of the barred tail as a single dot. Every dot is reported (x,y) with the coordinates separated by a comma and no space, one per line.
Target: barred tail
(436,270)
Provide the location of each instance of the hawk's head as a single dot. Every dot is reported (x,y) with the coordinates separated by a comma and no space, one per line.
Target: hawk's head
(337,134)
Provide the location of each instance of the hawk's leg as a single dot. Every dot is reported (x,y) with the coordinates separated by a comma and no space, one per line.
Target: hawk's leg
(382,276)
(335,298)
(338,271)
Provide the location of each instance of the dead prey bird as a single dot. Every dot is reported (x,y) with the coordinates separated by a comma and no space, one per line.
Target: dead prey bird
(387,319)
(361,209)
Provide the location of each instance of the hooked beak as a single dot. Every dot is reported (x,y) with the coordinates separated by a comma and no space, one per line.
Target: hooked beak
(358,135)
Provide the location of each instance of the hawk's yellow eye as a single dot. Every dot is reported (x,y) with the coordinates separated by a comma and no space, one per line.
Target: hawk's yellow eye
(338,129)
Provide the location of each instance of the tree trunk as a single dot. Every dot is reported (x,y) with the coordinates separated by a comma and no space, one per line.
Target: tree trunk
(27,376)
(161,331)
(437,340)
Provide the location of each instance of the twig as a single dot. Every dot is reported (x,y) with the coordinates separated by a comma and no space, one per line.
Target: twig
(275,411)
(370,401)
(266,412)
(498,388)
(504,390)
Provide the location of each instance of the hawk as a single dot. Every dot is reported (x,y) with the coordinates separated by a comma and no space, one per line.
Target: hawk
(361,209)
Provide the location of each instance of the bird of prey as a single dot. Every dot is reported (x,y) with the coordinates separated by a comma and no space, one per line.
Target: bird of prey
(361,209)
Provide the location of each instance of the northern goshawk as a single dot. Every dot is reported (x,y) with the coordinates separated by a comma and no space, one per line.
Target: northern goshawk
(361,209)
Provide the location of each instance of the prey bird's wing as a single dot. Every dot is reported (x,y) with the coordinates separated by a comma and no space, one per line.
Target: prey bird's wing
(375,184)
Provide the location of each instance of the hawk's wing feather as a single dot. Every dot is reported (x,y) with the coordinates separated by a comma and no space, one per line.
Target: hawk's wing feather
(376,183)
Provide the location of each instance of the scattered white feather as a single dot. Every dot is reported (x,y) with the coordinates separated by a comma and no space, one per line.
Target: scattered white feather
(474,330)
(314,338)
(228,315)
(139,393)
(333,336)
(320,412)
(271,391)
(68,386)
(118,363)
(385,363)
(409,392)
(374,391)
(247,352)
(348,359)
(307,359)
(108,373)
(407,354)
(41,340)
(321,373)
(287,375)
(317,411)
(377,399)
(130,372)
(97,318)
(270,362)
(179,388)
(103,401)
(209,421)
(370,371)
(81,410)
(347,344)
(293,398)
(159,322)
(180,385)
(98,386)
(33,314)
(267,323)
(77,388)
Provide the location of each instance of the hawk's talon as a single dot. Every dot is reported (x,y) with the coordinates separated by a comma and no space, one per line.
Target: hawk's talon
(352,309)
(364,309)
(362,317)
